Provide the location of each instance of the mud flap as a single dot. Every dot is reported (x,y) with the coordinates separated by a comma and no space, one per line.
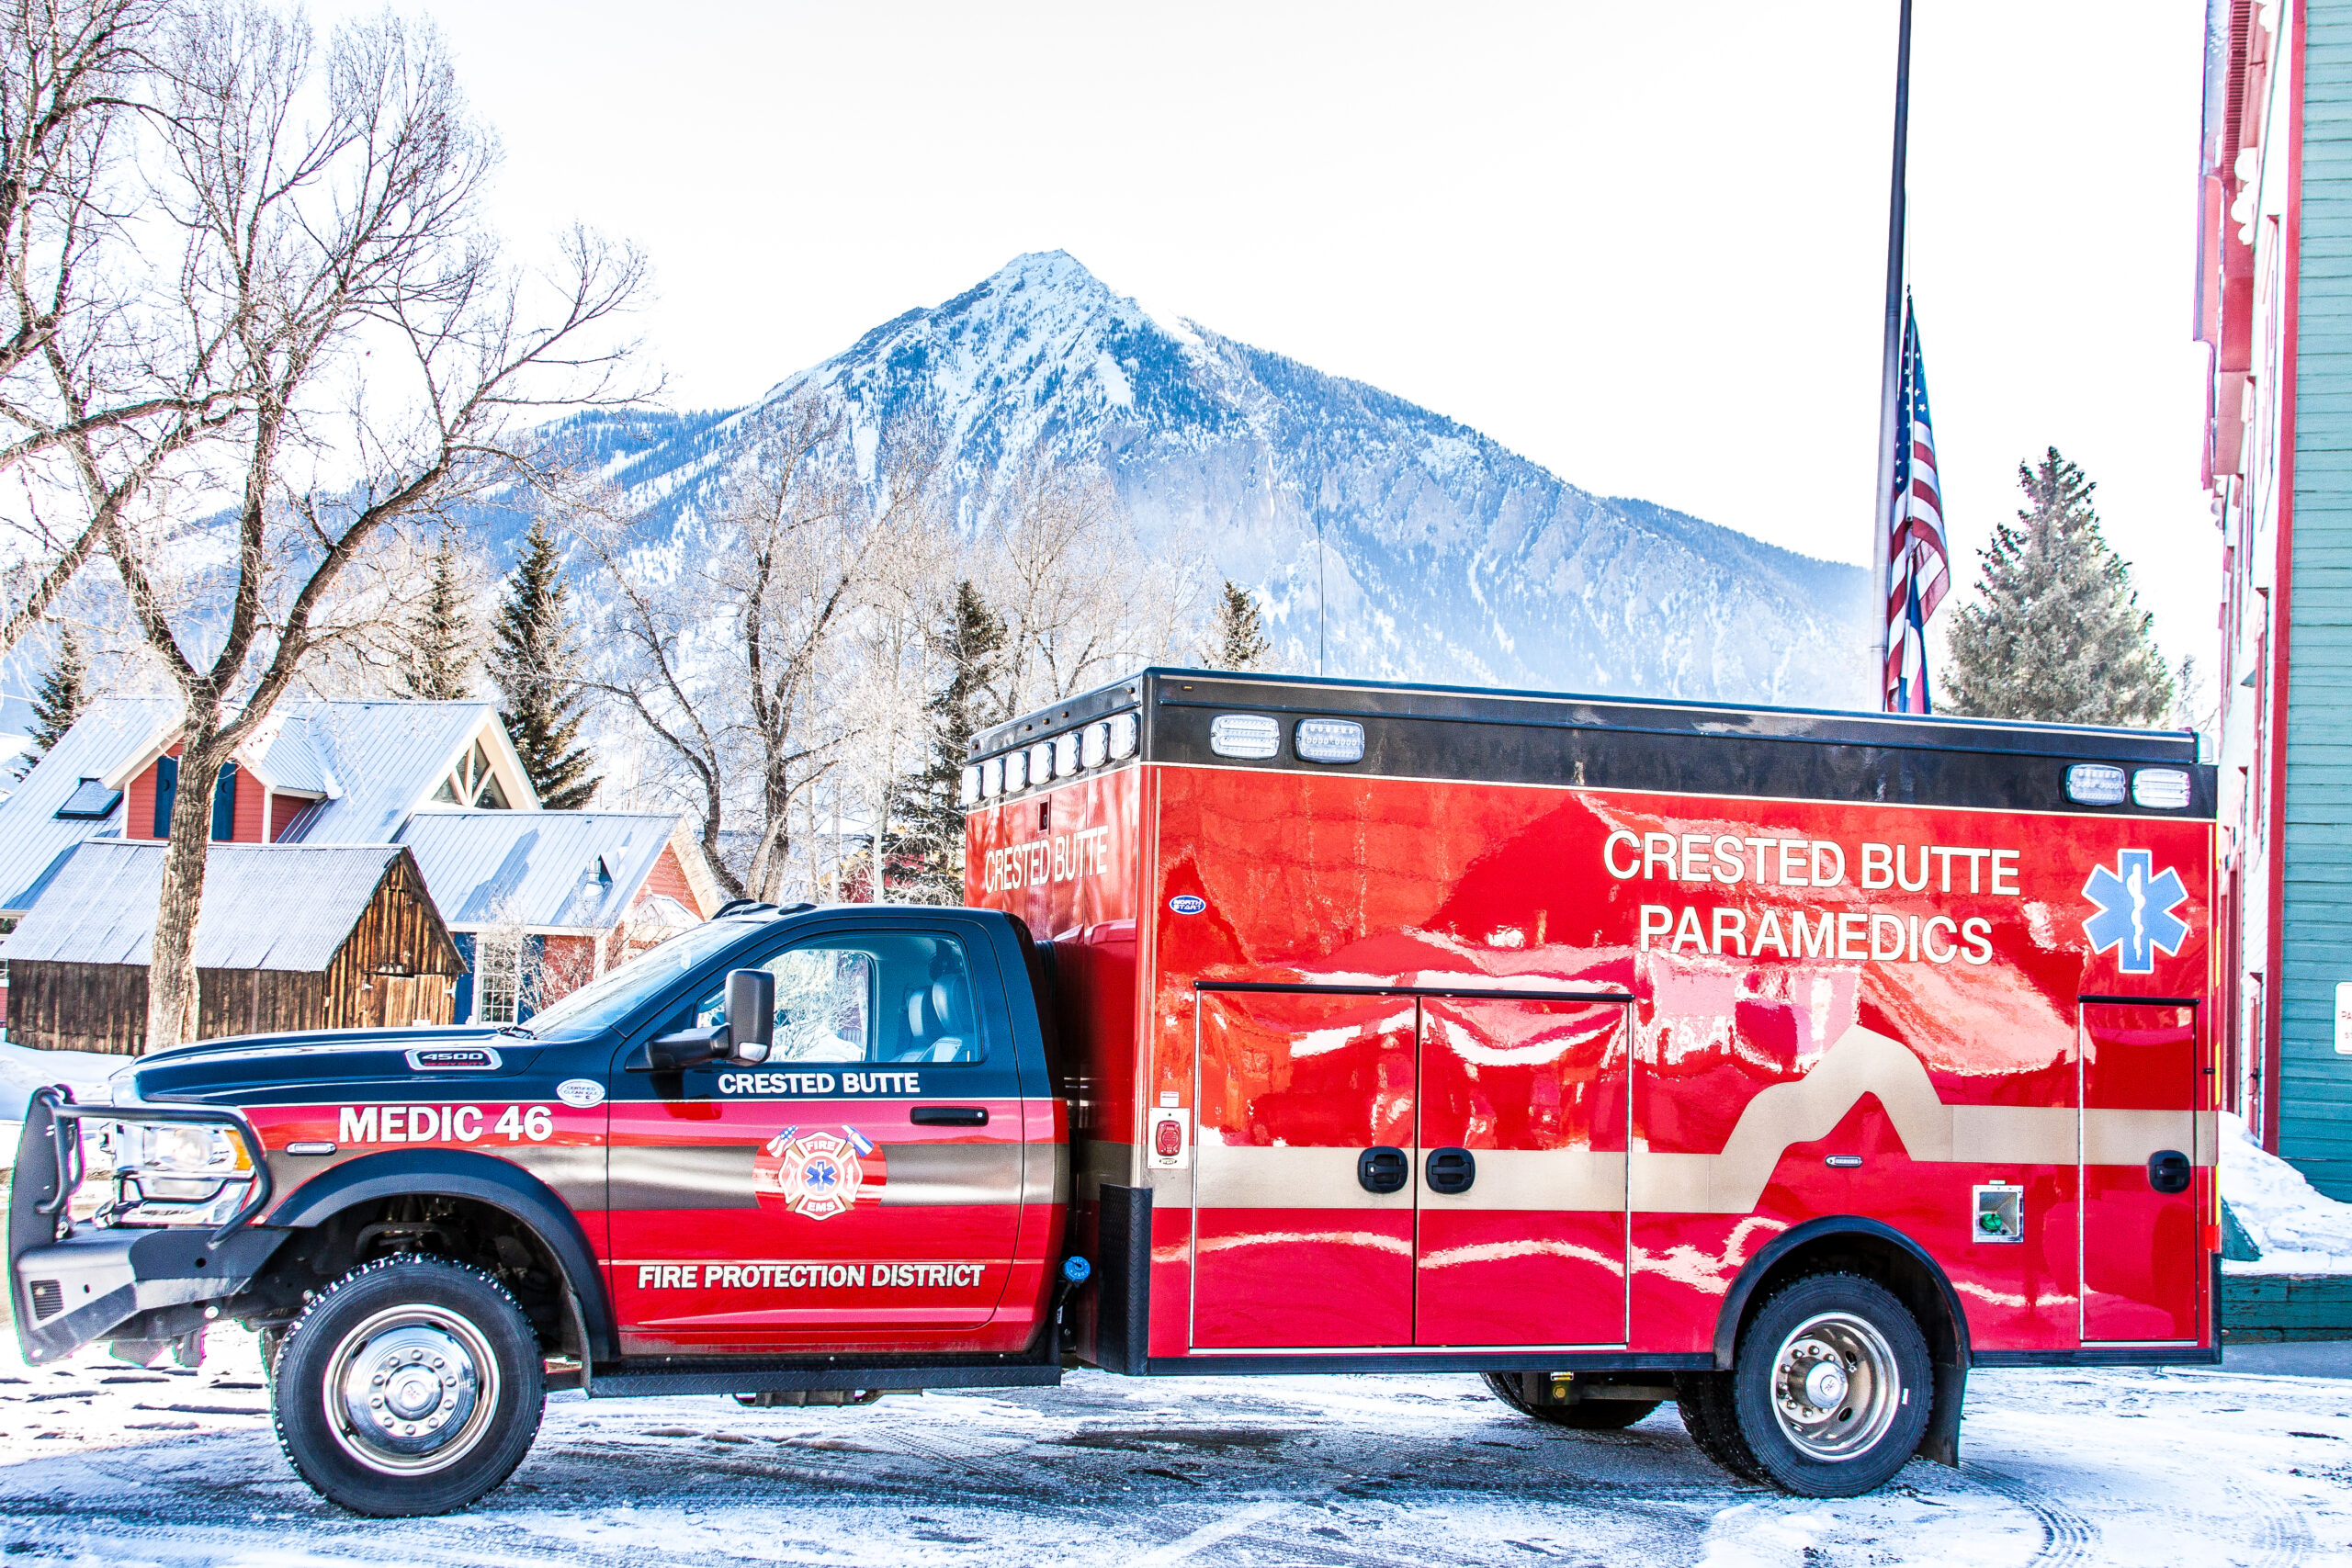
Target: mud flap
(1941,1442)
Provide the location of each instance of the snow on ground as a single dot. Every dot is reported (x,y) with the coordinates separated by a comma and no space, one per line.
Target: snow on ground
(101,1463)
(2299,1229)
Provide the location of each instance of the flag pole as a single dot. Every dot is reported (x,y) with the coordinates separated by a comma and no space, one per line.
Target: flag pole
(1890,369)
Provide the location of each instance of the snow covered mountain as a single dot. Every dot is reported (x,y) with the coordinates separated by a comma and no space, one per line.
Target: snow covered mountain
(1444,557)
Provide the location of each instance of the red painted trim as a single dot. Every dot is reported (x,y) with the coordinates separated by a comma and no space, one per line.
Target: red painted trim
(2291,289)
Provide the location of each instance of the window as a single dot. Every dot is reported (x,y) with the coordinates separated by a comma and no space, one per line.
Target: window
(498,976)
(886,996)
(471,783)
(91,801)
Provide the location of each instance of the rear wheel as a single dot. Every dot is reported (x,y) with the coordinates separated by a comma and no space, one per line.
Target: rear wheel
(1831,1391)
(1582,1415)
(411,1385)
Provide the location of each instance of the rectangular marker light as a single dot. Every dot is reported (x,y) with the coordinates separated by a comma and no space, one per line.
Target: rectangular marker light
(1066,755)
(1016,771)
(1041,762)
(1251,737)
(1329,740)
(968,790)
(2160,789)
(1123,731)
(992,776)
(1096,750)
(2095,783)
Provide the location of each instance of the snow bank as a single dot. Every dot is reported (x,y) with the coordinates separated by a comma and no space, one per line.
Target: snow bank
(24,1069)
(2299,1229)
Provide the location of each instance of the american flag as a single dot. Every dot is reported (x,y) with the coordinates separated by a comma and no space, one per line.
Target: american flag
(1919,567)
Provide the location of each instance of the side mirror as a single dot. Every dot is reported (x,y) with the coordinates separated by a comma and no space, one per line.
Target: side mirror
(751,1015)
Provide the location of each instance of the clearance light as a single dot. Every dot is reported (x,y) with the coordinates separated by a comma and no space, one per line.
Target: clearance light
(2160,789)
(2095,783)
(1249,736)
(1016,771)
(1123,731)
(992,776)
(1066,755)
(1329,740)
(1094,749)
(968,790)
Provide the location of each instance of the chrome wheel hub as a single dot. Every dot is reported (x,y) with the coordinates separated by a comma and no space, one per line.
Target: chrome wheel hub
(1835,1387)
(411,1389)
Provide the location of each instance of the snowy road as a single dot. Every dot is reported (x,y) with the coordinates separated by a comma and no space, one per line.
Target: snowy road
(106,1463)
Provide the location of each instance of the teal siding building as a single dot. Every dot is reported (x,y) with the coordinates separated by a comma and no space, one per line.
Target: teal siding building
(2274,307)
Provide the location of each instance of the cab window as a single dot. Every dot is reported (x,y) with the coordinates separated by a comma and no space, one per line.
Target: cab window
(883,996)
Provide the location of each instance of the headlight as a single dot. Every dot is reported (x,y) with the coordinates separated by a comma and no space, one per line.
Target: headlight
(180,1148)
(178,1173)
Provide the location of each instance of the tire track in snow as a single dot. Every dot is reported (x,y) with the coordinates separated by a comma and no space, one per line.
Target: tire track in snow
(2067,1538)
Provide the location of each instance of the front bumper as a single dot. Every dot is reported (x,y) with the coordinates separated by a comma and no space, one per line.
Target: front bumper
(73,1285)
(100,1277)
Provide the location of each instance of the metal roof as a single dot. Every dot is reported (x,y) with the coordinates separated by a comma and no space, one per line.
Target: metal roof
(562,870)
(110,735)
(374,761)
(266,906)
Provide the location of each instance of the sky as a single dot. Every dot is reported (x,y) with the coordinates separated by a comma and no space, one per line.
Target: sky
(1643,245)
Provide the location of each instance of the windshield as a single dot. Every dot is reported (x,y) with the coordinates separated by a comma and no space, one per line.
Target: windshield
(598,1006)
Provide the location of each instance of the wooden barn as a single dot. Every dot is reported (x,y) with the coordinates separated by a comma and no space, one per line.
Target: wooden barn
(327,936)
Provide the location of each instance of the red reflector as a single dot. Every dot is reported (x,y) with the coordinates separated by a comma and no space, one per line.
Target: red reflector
(2212,1238)
(1168,1141)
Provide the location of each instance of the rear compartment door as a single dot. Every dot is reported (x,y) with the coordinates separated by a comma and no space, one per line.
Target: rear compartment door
(1293,1247)
(1521,1175)
(2140,1086)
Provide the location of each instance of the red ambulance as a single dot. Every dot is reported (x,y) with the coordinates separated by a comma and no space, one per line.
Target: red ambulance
(1785,1063)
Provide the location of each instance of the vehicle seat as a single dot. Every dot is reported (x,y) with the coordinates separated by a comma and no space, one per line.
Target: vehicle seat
(939,1018)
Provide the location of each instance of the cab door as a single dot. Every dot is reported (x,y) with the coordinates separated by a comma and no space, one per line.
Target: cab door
(860,1190)
(2143,1172)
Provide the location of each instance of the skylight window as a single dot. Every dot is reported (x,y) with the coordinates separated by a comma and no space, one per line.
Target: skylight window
(90,802)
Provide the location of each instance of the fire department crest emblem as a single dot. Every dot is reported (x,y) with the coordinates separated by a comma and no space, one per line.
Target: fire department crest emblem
(814,1174)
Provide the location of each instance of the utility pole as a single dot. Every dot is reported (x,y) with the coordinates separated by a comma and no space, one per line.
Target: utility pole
(1890,371)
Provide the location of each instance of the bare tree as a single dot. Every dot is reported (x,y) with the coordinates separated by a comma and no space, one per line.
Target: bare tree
(339,290)
(718,640)
(1083,598)
(79,316)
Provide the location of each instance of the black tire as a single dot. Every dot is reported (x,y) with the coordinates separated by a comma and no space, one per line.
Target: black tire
(1848,1432)
(437,1338)
(1704,1400)
(1584,1415)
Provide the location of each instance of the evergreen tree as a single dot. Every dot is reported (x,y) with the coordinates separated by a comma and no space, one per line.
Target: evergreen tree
(1236,631)
(439,666)
(59,698)
(536,647)
(2059,635)
(967,638)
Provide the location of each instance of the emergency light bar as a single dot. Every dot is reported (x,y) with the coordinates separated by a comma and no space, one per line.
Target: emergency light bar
(1329,740)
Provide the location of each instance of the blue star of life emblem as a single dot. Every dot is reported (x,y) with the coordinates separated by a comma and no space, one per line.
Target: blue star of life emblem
(2135,911)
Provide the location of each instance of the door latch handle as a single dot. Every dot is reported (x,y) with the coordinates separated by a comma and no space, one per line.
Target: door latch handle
(2168,1170)
(1383,1169)
(1451,1170)
(949,1116)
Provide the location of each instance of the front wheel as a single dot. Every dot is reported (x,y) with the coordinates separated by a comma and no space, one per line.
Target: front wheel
(1832,1389)
(411,1385)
